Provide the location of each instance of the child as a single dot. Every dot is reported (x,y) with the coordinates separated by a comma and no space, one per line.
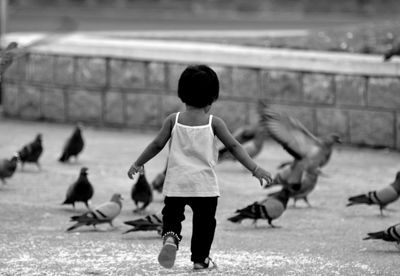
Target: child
(190,178)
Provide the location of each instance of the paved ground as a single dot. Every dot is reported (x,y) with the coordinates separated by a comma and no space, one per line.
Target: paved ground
(323,240)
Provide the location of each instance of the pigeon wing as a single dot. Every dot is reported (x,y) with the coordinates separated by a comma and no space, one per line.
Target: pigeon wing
(291,134)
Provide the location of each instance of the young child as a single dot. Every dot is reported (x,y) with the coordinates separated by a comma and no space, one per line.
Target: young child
(190,178)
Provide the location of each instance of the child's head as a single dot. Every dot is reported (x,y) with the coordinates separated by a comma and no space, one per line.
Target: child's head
(198,86)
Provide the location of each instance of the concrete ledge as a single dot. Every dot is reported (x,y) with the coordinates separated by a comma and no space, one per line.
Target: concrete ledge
(230,55)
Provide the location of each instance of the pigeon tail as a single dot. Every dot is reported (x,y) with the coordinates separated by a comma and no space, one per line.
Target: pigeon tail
(237,219)
(381,235)
(359,199)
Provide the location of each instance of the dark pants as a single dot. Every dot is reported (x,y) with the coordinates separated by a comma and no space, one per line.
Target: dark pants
(204,222)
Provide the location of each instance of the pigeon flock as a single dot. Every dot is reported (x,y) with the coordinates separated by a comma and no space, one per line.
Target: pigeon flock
(297,178)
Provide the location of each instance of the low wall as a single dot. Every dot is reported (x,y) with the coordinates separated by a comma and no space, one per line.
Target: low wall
(133,84)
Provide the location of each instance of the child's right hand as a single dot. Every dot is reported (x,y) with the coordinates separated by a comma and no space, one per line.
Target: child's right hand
(261,175)
(134,169)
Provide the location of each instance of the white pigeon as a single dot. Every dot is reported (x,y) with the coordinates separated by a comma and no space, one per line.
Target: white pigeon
(104,213)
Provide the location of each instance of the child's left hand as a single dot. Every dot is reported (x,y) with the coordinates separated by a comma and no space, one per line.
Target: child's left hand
(134,169)
(261,175)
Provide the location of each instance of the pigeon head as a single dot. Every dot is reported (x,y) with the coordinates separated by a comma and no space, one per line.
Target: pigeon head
(84,171)
(117,198)
(38,137)
(333,138)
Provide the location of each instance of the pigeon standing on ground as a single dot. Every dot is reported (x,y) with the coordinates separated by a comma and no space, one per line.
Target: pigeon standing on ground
(141,192)
(392,234)
(152,222)
(394,51)
(158,181)
(7,168)
(298,141)
(80,191)
(270,208)
(380,197)
(105,213)
(31,152)
(73,146)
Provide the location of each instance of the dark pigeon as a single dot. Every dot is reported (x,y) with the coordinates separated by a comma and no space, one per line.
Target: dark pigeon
(141,192)
(7,168)
(394,51)
(73,146)
(80,191)
(105,213)
(152,222)
(269,209)
(381,197)
(31,152)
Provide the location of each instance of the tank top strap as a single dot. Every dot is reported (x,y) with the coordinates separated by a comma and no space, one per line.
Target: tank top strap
(210,119)
(210,124)
(176,117)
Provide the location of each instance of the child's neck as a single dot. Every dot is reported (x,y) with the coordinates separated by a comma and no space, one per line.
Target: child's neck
(194,116)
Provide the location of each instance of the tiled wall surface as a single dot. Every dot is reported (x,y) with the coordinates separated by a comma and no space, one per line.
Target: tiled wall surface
(139,94)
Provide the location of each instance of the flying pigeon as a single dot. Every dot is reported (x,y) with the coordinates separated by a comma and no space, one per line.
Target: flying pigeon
(31,152)
(298,141)
(158,181)
(152,222)
(80,191)
(7,56)
(7,168)
(392,234)
(270,208)
(73,146)
(141,192)
(105,213)
(252,139)
(394,51)
(381,197)
(300,181)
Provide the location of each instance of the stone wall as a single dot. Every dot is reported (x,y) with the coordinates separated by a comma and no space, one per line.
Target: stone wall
(120,89)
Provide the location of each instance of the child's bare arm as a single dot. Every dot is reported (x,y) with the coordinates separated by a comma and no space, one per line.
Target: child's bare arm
(154,147)
(222,132)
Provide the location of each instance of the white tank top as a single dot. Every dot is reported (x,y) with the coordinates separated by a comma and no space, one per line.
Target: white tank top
(192,157)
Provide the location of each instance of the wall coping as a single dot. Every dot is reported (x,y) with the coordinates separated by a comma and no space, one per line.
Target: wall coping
(81,44)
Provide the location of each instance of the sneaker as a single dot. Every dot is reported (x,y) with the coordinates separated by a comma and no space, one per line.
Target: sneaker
(205,265)
(167,255)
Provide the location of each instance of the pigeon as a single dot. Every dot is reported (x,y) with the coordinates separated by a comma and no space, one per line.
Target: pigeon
(141,192)
(80,191)
(7,56)
(7,168)
(31,152)
(298,141)
(252,144)
(269,208)
(381,197)
(104,213)
(298,180)
(152,222)
(73,146)
(392,234)
(158,181)
(394,51)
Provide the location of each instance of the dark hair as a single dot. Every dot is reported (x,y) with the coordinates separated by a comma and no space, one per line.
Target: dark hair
(198,86)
